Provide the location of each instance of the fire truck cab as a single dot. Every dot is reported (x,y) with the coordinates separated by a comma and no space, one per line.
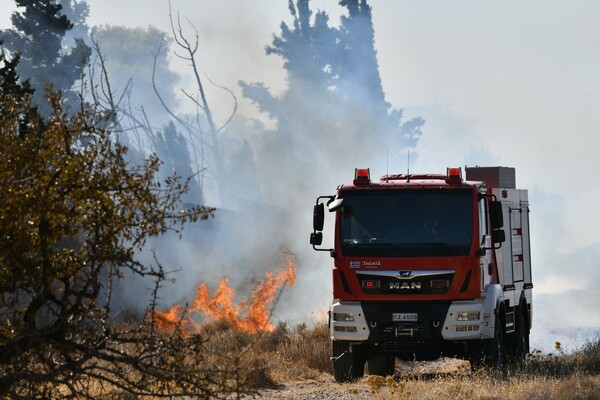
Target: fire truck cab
(426,265)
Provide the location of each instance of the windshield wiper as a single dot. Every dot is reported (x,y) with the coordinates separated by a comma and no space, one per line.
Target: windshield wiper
(374,244)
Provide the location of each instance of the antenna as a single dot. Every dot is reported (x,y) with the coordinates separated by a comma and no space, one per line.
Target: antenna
(387,164)
(408,166)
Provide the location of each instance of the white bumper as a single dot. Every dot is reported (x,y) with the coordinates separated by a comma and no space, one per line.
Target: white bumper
(464,320)
(348,321)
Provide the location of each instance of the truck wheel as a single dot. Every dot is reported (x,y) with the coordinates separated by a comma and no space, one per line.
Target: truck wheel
(476,355)
(521,337)
(495,353)
(382,365)
(347,366)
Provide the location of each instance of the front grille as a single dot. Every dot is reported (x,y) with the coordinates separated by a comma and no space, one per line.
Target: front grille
(392,282)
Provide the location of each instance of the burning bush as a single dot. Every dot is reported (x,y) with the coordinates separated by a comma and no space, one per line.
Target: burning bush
(252,315)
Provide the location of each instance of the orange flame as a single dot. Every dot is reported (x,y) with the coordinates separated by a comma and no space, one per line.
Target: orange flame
(252,315)
(171,320)
(258,315)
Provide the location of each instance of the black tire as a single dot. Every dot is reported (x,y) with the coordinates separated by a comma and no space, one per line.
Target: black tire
(476,354)
(521,337)
(347,366)
(382,365)
(495,352)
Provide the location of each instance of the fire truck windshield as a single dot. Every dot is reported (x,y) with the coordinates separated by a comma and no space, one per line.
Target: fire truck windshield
(406,223)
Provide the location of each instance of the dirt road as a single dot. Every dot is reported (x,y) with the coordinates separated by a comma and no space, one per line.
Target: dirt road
(324,387)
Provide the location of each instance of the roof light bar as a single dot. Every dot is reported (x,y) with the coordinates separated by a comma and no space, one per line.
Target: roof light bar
(362,176)
(453,175)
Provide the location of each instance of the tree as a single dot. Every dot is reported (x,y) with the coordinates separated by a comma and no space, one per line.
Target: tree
(77,11)
(334,108)
(37,36)
(358,70)
(9,78)
(136,61)
(209,128)
(73,217)
(172,147)
(129,55)
(309,50)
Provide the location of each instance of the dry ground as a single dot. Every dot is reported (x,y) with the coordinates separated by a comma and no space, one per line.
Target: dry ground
(301,370)
(293,362)
(576,388)
(442,379)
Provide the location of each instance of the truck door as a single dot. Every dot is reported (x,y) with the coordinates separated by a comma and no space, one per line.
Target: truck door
(485,242)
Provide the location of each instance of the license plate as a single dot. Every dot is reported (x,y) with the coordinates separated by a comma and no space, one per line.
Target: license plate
(403,317)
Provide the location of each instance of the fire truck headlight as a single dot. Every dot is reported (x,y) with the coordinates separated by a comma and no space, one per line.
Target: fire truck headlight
(468,316)
(351,329)
(344,316)
(467,328)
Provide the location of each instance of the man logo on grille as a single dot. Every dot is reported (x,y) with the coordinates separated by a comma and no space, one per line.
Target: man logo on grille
(405,285)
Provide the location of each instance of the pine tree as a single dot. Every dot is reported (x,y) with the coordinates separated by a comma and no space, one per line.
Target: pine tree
(334,107)
(37,35)
(306,48)
(359,70)
(172,148)
(10,84)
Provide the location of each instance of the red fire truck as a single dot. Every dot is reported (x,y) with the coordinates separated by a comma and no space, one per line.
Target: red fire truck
(428,265)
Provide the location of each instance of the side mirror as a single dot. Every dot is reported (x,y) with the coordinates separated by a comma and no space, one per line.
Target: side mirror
(496,218)
(316,238)
(498,236)
(318,217)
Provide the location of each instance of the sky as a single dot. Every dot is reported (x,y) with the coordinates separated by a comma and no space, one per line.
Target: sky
(510,83)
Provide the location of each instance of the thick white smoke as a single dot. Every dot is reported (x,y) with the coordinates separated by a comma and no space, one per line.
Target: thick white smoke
(498,86)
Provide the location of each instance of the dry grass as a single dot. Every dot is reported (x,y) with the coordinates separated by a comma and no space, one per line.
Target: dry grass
(286,354)
(303,352)
(486,388)
(298,353)
(543,377)
(290,354)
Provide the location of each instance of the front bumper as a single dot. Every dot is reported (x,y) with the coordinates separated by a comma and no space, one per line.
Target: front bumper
(435,321)
(464,321)
(348,321)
